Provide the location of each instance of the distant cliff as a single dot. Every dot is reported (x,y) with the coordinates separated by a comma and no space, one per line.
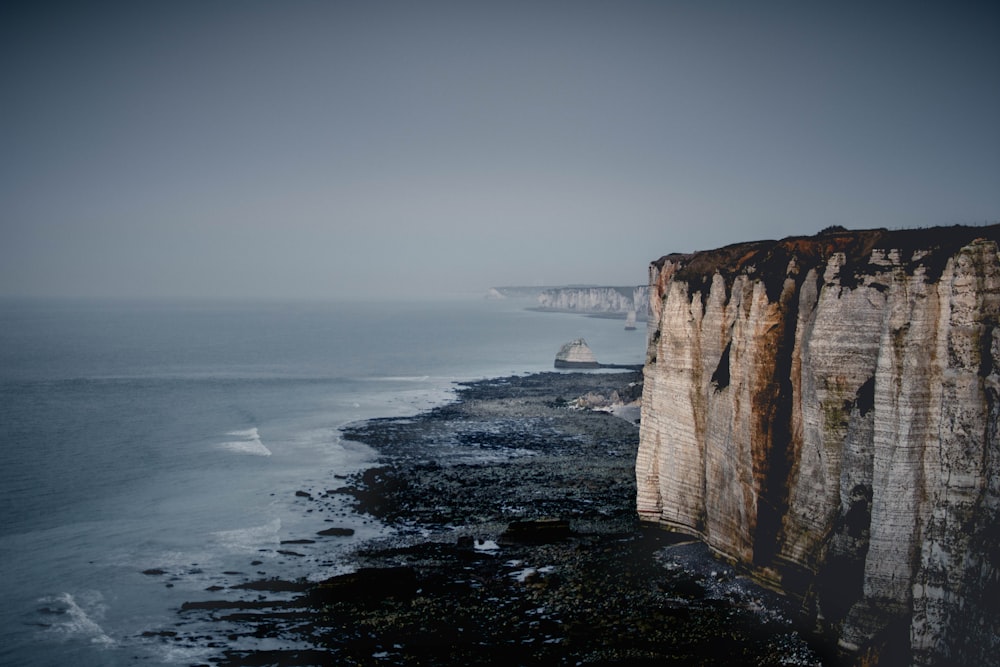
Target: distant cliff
(515,292)
(596,300)
(825,411)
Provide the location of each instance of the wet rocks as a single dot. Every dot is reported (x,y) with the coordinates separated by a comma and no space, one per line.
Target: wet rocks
(536,531)
(509,450)
(274,586)
(367,585)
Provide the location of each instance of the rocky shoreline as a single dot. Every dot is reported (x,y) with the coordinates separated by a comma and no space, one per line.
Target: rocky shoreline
(515,542)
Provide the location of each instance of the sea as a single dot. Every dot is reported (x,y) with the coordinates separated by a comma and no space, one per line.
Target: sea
(153,450)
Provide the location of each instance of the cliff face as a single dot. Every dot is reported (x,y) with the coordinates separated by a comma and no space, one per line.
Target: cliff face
(825,411)
(617,300)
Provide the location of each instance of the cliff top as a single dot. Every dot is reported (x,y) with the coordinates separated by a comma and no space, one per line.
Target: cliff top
(928,247)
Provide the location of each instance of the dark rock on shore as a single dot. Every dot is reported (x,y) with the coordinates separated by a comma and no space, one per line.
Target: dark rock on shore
(536,531)
(274,586)
(369,585)
(508,450)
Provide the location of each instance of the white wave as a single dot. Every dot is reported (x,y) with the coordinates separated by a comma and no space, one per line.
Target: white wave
(256,448)
(248,443)
(249,539)
(72,619)
(185,655)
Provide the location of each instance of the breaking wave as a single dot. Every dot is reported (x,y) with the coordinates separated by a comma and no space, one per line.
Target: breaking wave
(249,539)
(69,618)
(249,443)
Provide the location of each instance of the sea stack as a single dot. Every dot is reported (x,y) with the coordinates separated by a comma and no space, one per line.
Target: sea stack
(576,354)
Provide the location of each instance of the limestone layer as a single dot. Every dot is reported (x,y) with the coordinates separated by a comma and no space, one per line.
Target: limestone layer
(824,410)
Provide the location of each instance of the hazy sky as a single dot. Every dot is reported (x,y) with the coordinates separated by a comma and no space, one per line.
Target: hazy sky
(322,149)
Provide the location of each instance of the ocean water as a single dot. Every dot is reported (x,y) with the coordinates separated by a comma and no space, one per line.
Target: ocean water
(149,451)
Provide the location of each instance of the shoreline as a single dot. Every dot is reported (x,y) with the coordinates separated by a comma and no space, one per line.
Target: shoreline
(600,315)
(514,540)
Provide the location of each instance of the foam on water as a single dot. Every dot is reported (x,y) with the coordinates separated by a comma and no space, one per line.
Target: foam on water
(248,443)
(249,539)
(184,655)
(249,433)
(68,618)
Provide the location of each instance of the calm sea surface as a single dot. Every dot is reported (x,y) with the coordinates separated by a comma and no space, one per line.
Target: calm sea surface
(172,437)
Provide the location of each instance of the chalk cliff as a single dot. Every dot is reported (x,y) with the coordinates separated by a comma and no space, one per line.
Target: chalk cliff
(825,410)
(596,300)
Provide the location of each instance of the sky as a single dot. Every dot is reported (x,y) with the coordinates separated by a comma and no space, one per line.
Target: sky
(403,149)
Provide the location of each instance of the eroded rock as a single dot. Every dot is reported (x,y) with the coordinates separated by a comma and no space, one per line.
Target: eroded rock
(825,410)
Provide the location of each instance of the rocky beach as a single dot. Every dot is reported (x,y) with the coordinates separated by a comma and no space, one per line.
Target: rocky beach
(513,540)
